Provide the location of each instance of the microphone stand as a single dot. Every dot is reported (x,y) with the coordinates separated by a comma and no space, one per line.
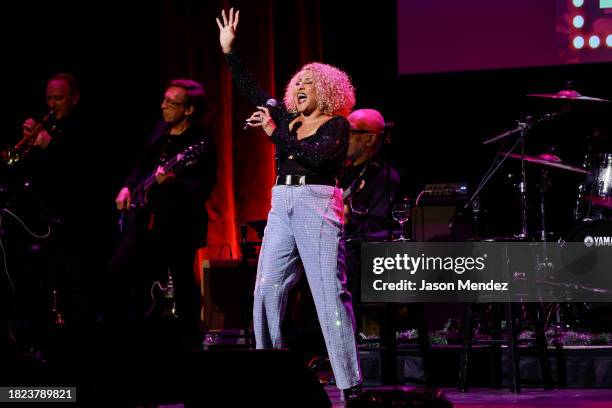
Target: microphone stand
(387,141)
(388,329)
(524,128)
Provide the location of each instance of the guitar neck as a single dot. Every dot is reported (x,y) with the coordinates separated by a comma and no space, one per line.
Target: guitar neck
(169,165)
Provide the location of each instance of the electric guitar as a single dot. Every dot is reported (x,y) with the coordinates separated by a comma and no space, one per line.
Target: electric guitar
(139,195)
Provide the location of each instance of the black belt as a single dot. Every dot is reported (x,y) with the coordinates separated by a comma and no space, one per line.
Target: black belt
(300,180)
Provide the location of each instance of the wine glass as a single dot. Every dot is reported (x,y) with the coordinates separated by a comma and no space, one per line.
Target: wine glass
(401,214)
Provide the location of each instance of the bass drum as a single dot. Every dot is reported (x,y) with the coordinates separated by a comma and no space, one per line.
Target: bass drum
(582,256)
(589,230)
(595,316)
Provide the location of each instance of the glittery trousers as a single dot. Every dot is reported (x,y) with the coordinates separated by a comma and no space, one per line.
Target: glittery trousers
(305,223)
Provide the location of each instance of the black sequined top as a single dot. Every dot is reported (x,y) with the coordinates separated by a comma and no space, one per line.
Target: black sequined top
(321,154)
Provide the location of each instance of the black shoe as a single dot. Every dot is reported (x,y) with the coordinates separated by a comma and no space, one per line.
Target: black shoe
(352,394)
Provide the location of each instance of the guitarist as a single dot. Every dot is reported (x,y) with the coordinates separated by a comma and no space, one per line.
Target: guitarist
(172,222)
(370,186)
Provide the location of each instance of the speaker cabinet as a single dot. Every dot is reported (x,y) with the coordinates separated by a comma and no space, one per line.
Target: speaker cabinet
(227,290)
(430,221)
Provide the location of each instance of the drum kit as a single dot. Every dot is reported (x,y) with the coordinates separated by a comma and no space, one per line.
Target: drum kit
(594,197)
(592,215)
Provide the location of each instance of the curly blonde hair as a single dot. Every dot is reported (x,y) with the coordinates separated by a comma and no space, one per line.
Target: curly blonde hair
(335,92)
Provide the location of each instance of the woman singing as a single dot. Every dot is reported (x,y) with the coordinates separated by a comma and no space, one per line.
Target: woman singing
(310,132)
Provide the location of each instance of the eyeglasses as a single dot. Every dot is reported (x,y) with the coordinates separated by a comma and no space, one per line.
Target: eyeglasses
(361,132)
(172,103)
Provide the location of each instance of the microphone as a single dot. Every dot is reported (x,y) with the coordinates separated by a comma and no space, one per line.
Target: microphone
(547,116)
(270,103)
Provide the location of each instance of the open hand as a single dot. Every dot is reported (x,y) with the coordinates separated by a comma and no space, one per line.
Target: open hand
(227,29)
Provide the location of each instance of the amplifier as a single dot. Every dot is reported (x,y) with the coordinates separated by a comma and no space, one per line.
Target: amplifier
(226,286)
(447,189)
(430,220)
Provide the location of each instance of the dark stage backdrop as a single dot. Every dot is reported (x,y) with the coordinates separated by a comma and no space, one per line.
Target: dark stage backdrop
(124,53)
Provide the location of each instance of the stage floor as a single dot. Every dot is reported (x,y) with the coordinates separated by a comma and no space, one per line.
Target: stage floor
(528,398)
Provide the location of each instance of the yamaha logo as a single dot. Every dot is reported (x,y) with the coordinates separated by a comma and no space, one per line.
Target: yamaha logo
(590,241)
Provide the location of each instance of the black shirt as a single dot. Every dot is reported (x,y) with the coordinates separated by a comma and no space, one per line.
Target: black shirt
(178,206)
(67,176)
(320,154)
(369,200)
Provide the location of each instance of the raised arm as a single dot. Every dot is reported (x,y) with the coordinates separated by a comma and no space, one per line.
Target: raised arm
(247,85)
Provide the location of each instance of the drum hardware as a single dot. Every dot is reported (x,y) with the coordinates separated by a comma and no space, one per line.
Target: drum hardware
(547,161)
(543,264)
(526,123)
(595,192)
(575,286)
(523,127)
(580,212)
(475,215)
(601,199)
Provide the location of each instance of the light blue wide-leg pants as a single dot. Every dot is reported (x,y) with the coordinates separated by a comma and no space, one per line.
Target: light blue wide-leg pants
(305,222)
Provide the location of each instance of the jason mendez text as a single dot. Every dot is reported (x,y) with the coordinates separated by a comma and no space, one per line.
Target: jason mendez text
(407,285)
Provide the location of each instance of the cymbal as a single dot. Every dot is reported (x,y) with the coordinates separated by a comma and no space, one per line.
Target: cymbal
(569,95)
(550,160)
